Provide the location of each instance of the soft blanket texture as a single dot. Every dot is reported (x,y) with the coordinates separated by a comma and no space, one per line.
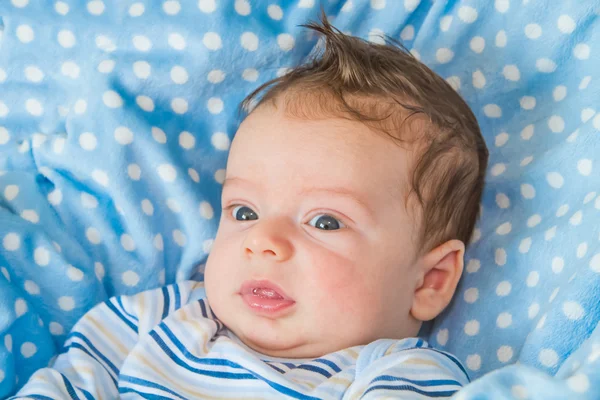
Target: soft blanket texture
(116,118)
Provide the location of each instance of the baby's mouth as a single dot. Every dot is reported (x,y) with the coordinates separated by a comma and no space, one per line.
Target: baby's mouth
(265,297)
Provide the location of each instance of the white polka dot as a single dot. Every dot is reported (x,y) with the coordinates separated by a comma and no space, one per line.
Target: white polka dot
(220,141)
(147,207)
(587,114)
(511,72)
(558,264)
(576,218)
(501,39)
(411,5)
(581,250)
(24,147)
(127,242)
(176,41)
(527,102)
(533,31)
(471,295)
(566,24)
(179,75)
(242,7)
(171,7)
(25,33)
(550,233)
(454,81)
(100,176)
(215,105)
(66,303)
(220,176)
(553,295)
(467,14)
(134,171)
(492,111)
(285,41)
(11,241)
(112,99)
(573,136)
(579,383)
(66,39)
(527,132)
(105,43)
(20,307)
(585,82)
(31,216)
(145,103)
(216,76)
(596,121)
(473,266)
(595,263)
(250,75)
(306,4)
(187,140)
(33,74)
(158,242)
(527,191)
(474,362)
(167,172)
(99,270)
(28,349)
(206,210)
(498,169)
(93,235)
(581,51)
(41,256)
(179,105)
(584,167)
(142,69)
(194,175)
(56,328)
(503,288)
(545,65)
(130,278)
(444,55)
(20,3)
(74,274)
(159,135)
(534,220)
(472,327)
(477,44)
(55,197)
(212,41)
(3,111)
(95,7)
(445,23)
(501,139)
(88,141)
(80,106)
(179,238)
(533,310)
(249,41)
(174,205)
(59,145)
(123,135)
(555,180)
(142,43)
(207,6)
(378,4)
(504,353)
(559,93)
(415,54)
(106,66)
(61,7)
(136,9)
(476,235)
(11,192)
(504,229)
(504,320)
(502,6)
(442,337)
(525,245)
(502,200)
(34,107)
(275,12)
(408,33)
(533,278)
(32,288)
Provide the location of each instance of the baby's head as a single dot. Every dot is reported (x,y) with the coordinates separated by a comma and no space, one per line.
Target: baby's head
(352,188)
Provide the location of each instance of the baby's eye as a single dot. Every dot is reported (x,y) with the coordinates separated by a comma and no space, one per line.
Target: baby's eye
(243,213)
(326,222)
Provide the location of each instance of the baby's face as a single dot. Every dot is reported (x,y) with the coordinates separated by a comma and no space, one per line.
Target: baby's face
(314,251)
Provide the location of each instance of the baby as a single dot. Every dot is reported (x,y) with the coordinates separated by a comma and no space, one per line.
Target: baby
(352,188)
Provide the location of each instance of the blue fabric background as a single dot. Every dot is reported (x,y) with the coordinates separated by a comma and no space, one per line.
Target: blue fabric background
(116,118)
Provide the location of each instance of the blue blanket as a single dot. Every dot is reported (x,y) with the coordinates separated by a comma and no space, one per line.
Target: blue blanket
(116,118)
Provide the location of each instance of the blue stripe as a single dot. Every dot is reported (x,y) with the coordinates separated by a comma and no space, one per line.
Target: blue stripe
(125,310)
(406,388)
(69,388)
(276,368)
(203,307)
(330,364)
(166,305)
(39,397)
(428,383)
(95,350)
(146,383)
(454,360)
(122,317)
(289,365)
(216,374)
(315,369)
(80,347)
(177,297)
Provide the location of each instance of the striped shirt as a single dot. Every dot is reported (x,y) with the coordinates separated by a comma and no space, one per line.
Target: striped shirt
(167,344)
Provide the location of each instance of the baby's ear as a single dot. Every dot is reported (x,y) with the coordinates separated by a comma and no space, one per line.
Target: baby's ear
(440,271)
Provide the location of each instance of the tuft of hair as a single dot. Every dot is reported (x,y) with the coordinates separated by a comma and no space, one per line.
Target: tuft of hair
(387,88)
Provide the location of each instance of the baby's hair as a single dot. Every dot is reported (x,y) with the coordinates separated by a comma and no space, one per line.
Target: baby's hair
(385,87)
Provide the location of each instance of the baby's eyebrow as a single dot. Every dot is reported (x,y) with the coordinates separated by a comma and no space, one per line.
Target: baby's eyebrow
(343,192)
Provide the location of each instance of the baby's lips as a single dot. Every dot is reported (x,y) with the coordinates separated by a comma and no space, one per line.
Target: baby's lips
(265,289)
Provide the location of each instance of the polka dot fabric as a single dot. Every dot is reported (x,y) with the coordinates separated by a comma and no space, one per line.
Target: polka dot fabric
(116,118)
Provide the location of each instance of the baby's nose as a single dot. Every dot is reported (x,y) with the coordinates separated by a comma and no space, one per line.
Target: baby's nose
(268,239)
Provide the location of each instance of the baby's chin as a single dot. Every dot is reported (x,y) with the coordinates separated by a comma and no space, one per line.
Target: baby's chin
(285,348)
